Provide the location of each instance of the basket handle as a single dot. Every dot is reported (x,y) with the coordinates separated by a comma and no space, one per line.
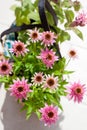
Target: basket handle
(44,4)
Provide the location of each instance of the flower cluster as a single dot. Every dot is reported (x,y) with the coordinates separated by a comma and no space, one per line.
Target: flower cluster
(32,67)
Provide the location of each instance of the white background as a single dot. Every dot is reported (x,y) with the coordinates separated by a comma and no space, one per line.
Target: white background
(74,116)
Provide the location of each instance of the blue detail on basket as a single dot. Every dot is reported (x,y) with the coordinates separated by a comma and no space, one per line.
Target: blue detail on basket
(10,38)
(7,47)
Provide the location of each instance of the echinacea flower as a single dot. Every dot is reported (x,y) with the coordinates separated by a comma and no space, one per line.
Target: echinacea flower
(48,57)
(5,67)
(72,53)
(81,19)
(20,88)
(38,78)
(51,82)
(19,48)
(34,35)
(48,38)
(49,114)
(76,92)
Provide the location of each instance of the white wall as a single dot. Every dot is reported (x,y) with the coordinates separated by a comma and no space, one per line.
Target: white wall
(74,116)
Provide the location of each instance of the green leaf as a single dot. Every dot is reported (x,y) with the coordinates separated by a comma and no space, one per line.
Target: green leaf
(3,79)
(57,73)
(68,72)
(52,99)
(29,111)
(64,36)
(69,15)
(18,66)
(50,18)
(60,106)
(13,7)
(35,16)
(67,3)
(78,33)
(60,14)
(29,3)
(22,15)
(38,114)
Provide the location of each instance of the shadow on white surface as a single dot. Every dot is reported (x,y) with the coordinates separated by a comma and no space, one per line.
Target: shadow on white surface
(13,119)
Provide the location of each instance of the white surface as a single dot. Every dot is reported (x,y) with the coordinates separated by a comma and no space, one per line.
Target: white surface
(74,116)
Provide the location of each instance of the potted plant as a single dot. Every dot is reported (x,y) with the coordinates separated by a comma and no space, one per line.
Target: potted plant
(33,68)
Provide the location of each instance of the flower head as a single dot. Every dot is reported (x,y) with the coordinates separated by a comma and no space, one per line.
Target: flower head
(48,38)
(49,114)
(38,78)
(19,48)
(48,57)
(81,19)
(72,53)
(20,88)
(34,35)
(5,67)
(76,92)
(51,82)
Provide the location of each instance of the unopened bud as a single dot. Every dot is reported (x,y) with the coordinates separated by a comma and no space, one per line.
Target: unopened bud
(76,5)
(55,1)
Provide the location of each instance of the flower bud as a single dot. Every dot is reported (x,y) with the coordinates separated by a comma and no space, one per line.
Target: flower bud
(76,5)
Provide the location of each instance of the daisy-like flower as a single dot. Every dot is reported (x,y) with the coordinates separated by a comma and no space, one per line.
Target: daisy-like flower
(48,57)
(72,53)
(35,35)
(19,48)
(5,67)
(20,88)
(81,19)
(51,82)
(48,38)
(38,78)
(76,91)
(49,114)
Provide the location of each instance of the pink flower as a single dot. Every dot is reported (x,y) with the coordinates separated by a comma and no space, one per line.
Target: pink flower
(20,88)
(49,114)
(48,57)
(51,82)
(72,53)
(38,78)
(48,38)
(81,19)
(76,92)
(5,67)
(34,35)
(19,48)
